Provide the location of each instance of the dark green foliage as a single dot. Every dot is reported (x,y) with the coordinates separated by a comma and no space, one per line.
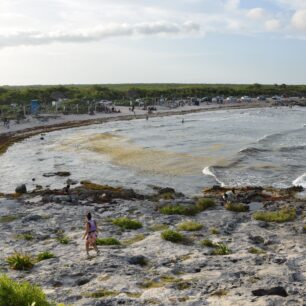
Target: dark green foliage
(237,207)
(20,261)
(282,215)
(205,203)
(107,241)
(126,223)
(14,293)
(172,236)
(45,255)
(179,210)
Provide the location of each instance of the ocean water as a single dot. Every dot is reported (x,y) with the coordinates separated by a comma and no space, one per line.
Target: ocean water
(264,147)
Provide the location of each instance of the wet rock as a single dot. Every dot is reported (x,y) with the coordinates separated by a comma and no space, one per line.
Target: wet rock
(21,189)
(273,291)
(60,173)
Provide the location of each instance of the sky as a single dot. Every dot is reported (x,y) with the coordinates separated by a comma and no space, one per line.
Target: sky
(152,41)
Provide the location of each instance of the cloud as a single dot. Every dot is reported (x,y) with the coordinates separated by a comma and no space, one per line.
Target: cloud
(232,4)
(256,13)
(98,33)
(299,20)
(272,25)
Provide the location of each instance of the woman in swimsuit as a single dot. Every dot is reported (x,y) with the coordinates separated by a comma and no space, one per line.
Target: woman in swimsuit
(91,233)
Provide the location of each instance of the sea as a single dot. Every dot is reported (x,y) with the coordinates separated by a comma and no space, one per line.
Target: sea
(258,147)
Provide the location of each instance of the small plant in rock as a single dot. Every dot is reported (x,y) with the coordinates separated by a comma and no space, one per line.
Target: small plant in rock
(25,237)
(13,293)
(126,223)
(205,203)
(257,251)
(45,255)
(167,196)
(20,261)
(208,243)
(189,226)
(158,227)
(220,249)
(102,293)
(282,215)
(63,239)
(107,241)
(179,210)
(214,231)
(237,207)
(172,236)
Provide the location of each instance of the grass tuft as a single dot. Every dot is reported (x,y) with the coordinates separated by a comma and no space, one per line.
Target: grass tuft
(101,293)
(8,218)
(258,251)
(283,215)
(179,210)
(172,236)
(126,223)
(14,293)
(63,239)
(189,226)
(45,255)
(220,249)
(25,237)
(237,207)
(214,231)
(158,227)
(205,203)
(107,241)
(20,261)
(208,243)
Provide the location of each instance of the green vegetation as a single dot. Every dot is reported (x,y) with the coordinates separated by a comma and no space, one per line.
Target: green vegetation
(107,241)
(237,207)
(163,281)
(179,210)
(158,227)
(133,295)
(8,218)
(283,215)
(167,196)
(220,293)
(25,236)
(126,223)
(208,243)
(14,293)
(214,231)
(257,251)
(220,249)
(20,261)
(101,293)
(205,203)
(172,236)
(134,239)
(189,226)
(45,255)
(63,239)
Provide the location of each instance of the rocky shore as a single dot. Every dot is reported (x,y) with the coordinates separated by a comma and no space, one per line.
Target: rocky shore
(168,249)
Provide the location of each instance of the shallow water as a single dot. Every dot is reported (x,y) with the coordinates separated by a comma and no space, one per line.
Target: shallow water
(230,147)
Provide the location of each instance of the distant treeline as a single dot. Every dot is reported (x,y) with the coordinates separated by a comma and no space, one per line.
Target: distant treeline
(121,92)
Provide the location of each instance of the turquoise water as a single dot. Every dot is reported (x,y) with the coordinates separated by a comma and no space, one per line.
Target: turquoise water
(228,147)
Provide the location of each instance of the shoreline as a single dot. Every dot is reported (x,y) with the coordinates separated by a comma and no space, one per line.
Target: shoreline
(8,138)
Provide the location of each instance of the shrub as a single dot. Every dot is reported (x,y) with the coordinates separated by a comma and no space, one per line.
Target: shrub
(237,207)
(283,215)
(205,203)
(44,255)
(107,241)
(14,293)
(158,227)
(25,236)
(20,261)
(189,226)
(253,250)
(214,231)
(172,236)
(63,239)
(220,249)
(179,210)
(126,223)
(208,243)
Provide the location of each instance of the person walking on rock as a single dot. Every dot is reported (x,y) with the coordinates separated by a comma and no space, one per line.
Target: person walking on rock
(91,233)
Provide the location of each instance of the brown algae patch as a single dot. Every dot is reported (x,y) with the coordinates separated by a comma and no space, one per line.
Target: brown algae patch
(122,151)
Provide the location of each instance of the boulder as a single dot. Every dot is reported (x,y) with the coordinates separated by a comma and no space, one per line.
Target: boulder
(21,189)
(138,260)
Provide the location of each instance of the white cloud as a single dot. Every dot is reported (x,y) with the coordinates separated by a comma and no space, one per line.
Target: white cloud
(98,33)
(272,25)
(232,4)
(299,20)
(256,13)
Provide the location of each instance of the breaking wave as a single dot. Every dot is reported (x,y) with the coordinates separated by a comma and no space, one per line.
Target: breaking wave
(208,171)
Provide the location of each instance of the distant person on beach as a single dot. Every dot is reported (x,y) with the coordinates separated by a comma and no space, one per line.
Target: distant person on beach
(91,233)
(183,120)
(147,117)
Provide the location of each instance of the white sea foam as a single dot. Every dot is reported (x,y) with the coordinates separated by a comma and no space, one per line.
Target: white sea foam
(300,181)
(207,171)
